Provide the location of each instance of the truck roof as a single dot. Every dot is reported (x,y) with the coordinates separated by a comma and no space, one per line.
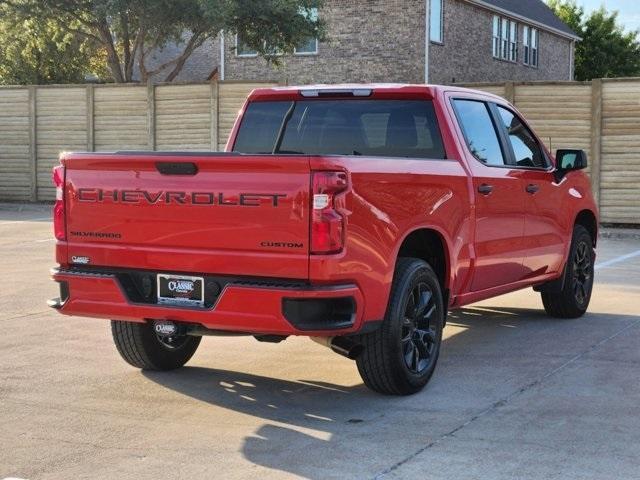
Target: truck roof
(357,90)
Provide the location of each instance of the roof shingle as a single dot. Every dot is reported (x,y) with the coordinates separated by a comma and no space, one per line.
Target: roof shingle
(534,10)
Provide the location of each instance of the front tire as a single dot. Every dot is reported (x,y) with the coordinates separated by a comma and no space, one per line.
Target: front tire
(140,346)
(400,357)
(573,300)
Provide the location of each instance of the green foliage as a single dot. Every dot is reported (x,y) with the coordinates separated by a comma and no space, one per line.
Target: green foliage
(39,51)
(124,33)
(606,50)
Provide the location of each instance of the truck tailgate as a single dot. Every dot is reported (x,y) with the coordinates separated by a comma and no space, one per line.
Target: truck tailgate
(214,213)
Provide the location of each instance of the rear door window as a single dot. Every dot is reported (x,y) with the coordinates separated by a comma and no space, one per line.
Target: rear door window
(385,128)
(479,131)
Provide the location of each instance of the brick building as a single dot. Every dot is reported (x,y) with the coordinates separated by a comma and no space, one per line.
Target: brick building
(384,41)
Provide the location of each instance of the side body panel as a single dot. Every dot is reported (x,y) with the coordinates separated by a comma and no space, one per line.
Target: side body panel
(549,216)
(389,199)
(546,223)
(550,210)
(498,243)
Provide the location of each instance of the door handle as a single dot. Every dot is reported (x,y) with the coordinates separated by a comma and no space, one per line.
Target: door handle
(485,189)
(532,188)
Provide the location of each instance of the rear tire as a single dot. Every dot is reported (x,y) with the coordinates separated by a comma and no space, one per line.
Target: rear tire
(400,357)
(573,300)
(140,346)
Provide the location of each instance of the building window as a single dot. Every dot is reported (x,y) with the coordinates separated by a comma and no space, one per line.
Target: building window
(505,39)
(526,32)
(530,40)
(513,41)
(436,33)
(496,36)
(310,47)
(307,47)
(243,50)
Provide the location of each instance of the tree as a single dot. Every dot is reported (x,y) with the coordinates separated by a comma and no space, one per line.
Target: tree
(127,31)
(40,51)
(605,50)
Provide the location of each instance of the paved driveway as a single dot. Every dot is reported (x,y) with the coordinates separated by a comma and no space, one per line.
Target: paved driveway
(515,395)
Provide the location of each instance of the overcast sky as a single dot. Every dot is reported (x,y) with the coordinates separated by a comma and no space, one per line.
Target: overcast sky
(629,10)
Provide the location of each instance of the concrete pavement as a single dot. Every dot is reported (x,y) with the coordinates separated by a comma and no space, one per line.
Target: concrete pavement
(515,395)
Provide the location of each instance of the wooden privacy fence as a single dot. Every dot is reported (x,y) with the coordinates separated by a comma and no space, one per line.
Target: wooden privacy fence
(38,122)
(603,118)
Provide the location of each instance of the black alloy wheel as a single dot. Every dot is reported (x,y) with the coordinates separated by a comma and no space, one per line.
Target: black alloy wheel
(573,299)
(582,272)
(418,332)
(400,356)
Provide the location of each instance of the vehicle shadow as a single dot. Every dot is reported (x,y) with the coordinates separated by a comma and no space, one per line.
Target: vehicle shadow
(314,429)
(303,419)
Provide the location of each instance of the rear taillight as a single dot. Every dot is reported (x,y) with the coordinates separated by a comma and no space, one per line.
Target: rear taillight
(59,214)
(327,224)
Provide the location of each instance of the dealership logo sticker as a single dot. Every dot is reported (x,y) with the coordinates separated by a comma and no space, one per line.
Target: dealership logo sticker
(181,286)
(165,328)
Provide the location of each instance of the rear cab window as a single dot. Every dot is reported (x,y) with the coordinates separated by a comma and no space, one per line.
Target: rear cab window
(382,128)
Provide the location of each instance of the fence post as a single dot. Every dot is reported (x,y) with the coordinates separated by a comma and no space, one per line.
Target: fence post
(510,92)
(596,137)
(33,145)
(215,108)
(91,136)
(151,115)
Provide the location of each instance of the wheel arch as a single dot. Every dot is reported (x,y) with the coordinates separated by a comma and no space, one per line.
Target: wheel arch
(429,244)
(588,220)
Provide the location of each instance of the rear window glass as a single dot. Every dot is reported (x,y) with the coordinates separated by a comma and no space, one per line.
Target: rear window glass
(385,128)
(260,126)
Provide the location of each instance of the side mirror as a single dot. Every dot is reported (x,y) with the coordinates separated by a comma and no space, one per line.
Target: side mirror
(571,159)
(567,160)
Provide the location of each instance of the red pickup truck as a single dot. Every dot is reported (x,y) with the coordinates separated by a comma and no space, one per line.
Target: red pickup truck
(357,215)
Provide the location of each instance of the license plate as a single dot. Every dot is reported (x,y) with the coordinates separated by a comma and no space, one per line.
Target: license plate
(180,290)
